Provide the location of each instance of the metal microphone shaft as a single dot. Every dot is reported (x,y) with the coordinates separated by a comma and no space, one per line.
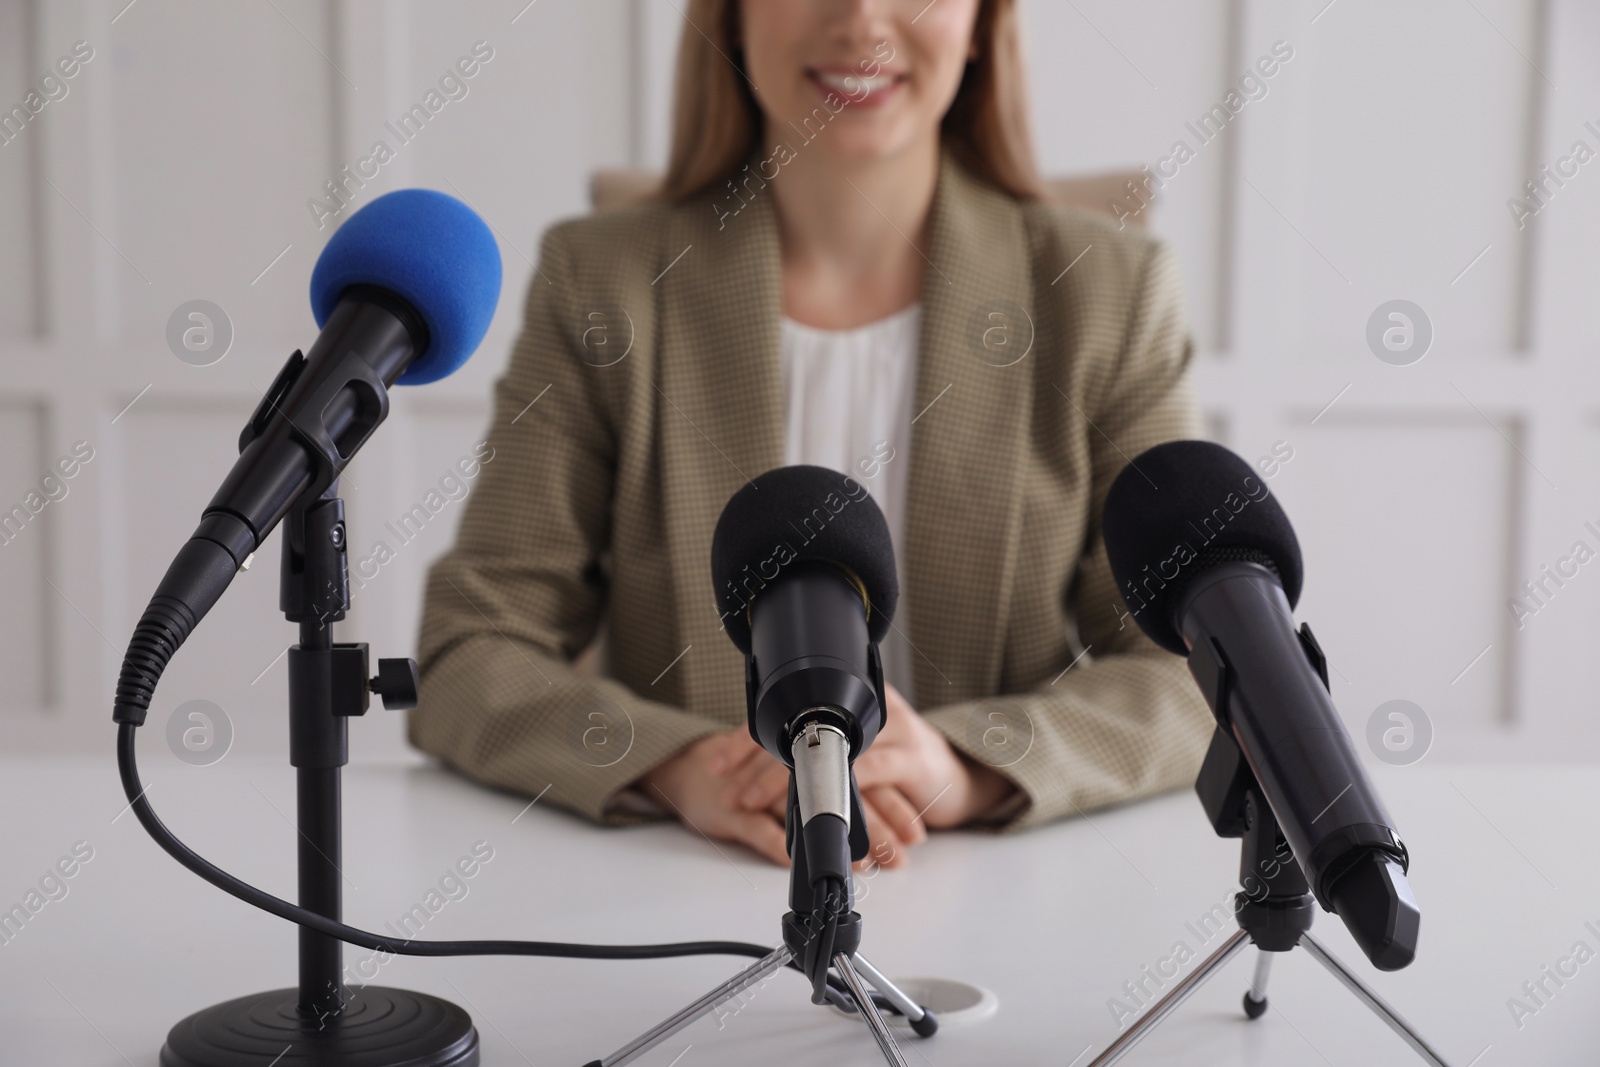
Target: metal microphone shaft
(822,784)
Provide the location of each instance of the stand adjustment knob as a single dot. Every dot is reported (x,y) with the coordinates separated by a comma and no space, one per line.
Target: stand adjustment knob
(397,683)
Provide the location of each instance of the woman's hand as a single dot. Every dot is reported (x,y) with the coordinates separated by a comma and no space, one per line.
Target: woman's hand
(910,779)
(703,785)
(914,759)
(695,786)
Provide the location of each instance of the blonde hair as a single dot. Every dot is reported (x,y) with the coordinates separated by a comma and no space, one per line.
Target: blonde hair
(717,120)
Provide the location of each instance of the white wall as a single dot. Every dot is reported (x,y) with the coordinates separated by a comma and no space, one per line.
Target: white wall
(177,167)
(1376,166)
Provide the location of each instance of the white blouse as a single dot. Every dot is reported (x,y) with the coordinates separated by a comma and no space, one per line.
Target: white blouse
(849,396)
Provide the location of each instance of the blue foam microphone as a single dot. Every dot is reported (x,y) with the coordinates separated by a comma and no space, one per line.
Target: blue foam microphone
(432,252)
(403,293)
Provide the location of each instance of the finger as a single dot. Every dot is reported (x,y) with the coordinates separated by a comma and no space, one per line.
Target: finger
(895,708)
(716,751)
(890,765)
(898,706)
(902,817)
(763,834)
(750,765)
(887,848)
(768,787)
(880,855)
(758,769)
(734,750)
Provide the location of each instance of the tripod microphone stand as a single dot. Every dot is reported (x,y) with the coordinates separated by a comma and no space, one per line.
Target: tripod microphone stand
(860,977)
(815,700)
(319,1023)
(1274,912)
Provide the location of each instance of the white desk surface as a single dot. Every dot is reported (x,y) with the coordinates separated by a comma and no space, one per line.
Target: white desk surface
(1506,865)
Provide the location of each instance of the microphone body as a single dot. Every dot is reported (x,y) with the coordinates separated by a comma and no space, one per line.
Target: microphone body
(403,292)
(810,651)
(321,409)
(814,684)
(1222,594)
(317,413)
(804,571)
(1278,710)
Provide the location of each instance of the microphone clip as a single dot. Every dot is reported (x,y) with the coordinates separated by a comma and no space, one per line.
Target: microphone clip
(335,408)
(328,404)
(273,398)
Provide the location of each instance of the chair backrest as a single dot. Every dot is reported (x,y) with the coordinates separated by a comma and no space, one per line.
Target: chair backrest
(1093,192)
(621,187)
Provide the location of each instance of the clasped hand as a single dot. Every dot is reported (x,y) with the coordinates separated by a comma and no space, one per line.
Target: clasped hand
(728,787)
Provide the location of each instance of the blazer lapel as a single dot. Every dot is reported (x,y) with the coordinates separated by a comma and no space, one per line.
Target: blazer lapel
(719,407)
(720,411)
(974,397)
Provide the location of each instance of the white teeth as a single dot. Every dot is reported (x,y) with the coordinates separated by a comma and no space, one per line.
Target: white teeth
(855,84)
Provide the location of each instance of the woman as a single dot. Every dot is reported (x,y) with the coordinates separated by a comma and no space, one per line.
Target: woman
(849,265)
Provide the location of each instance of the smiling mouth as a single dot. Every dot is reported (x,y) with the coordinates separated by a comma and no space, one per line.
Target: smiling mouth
(856,87)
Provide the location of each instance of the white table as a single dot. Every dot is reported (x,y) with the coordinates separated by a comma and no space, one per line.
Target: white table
(1053,922)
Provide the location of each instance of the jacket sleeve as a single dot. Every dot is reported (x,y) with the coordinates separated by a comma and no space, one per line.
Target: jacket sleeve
(1125,720)
(521,592)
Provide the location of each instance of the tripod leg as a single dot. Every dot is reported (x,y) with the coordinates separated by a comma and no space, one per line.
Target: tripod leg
(923,1021)
(1379,1006)
(1255,998)
(768,964)
(1169,1003)
(869,1010)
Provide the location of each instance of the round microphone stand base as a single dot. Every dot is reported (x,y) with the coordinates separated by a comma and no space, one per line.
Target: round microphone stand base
(323,1022)
(377,1027)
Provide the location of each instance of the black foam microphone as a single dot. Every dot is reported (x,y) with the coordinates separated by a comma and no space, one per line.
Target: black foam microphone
(805,579)
(1210,569)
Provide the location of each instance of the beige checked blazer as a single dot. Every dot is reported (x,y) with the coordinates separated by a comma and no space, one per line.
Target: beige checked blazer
(645,389)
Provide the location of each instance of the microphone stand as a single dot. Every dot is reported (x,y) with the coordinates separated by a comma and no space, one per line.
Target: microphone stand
(321,1022)
(1275,911)
(832,803)
(858,975)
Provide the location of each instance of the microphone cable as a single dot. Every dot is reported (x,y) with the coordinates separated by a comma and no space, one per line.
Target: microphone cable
(127,763)
(160,632)
(824,929)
